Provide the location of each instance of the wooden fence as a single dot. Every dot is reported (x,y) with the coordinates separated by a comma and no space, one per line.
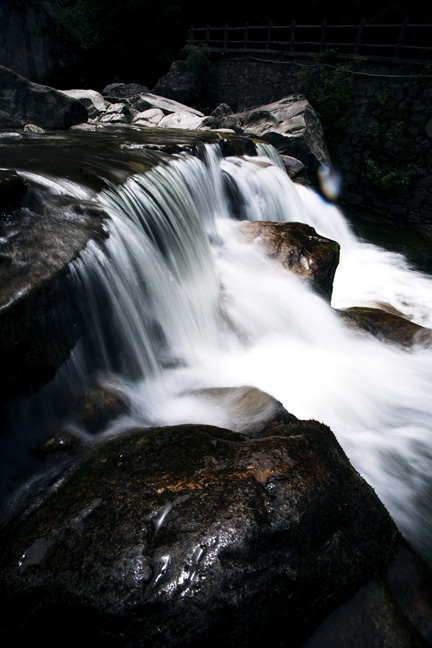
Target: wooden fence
(405,40)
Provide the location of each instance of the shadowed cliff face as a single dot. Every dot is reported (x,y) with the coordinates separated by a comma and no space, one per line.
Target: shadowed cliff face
(33,43)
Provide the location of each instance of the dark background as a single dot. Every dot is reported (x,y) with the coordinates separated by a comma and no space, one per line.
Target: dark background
(136,40)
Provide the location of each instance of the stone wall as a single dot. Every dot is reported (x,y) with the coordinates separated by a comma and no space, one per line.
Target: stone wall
(382,143)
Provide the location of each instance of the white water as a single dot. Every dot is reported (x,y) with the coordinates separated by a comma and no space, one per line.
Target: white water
(193,306)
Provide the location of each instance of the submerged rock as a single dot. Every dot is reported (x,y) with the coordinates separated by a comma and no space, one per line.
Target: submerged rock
(193,535)
(99,405)
(387,326)
(244,409)
(297,247)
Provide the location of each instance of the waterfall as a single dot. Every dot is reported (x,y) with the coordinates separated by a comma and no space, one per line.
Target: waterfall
(177,302)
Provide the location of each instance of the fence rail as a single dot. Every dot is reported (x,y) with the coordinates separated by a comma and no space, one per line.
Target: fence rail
(403,40)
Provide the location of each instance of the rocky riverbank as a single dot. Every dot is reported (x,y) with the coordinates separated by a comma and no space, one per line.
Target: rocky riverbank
(257,531)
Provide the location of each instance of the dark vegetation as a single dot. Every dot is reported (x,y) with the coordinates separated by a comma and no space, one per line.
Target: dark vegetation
(136,40)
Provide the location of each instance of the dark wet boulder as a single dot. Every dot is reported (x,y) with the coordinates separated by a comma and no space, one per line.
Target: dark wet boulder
(23,102)
(40,318)
(387,326)
(195,535)
(12,189)
(98,405)
(297,247)
(62,442)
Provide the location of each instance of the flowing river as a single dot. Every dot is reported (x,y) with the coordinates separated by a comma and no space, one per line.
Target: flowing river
(192,306)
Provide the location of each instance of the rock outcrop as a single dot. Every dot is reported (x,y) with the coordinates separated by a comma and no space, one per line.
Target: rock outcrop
(23,102)
(193,535)
(388,327)
(290,125)
(298,248)
(39,320)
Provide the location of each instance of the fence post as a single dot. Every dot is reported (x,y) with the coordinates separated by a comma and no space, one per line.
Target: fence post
(322,39)
(226,36)
(401,37)
(292,36)
(190,34)
(208,34)
(359,36)
(245,35)
(268,40)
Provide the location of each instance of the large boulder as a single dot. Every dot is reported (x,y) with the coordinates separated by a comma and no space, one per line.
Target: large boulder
(290,125)
(297,247)
(196,535)
(39,319)
(93,101)
(23,102)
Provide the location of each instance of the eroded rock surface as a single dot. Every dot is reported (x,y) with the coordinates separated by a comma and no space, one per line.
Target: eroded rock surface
(193,535)
(39,320)
(388,327)
(297,247)
(290,125)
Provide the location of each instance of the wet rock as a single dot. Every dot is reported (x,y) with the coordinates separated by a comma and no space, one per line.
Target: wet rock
(63,442)
(298,248)
(371,618)
(23,102)
(99,405)
(294,168)
(195,535)
(40,317)
(12,188)
(243,409)
(387,326)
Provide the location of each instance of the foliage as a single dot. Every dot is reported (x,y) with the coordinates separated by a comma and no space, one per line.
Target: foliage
(329,90)
(385,177)
(199,62)
(79,19)
(388,165)
(198,59)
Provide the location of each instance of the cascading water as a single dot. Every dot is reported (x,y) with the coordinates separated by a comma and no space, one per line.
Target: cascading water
(176,302)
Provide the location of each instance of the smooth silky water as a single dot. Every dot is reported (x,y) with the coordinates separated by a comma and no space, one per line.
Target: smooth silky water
(192,306)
